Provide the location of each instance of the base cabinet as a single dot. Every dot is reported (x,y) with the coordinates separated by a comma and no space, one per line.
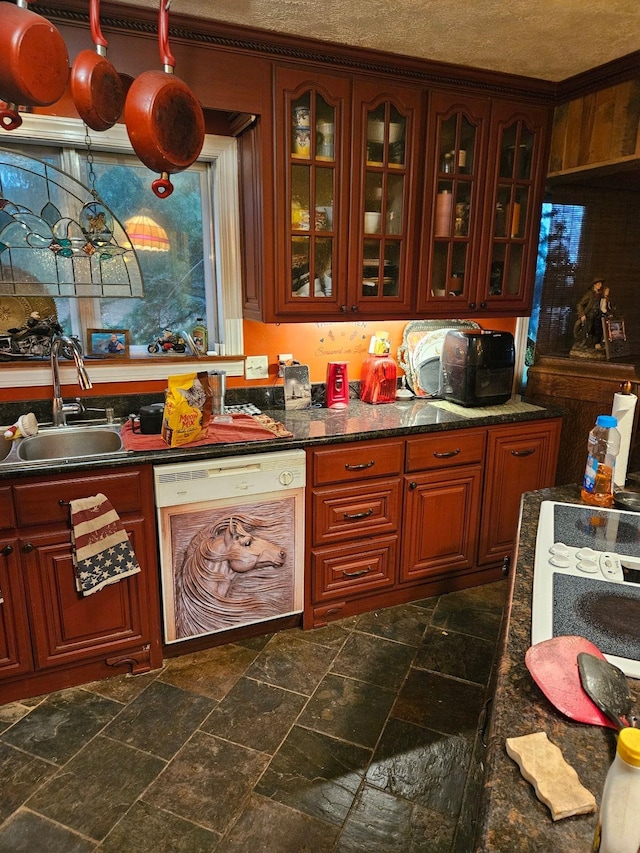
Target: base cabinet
(395,520)
(51,636)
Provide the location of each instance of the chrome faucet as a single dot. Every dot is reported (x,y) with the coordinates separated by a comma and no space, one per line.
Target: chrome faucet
(60,408)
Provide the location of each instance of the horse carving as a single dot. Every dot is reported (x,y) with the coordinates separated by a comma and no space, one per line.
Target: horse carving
(206,598)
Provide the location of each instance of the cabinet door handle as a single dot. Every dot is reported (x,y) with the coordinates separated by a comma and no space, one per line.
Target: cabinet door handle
(359,467)
(343,309)
(8,549)
(527,452)
(352,516)
(483,304)
(28,547)
(354,308)
(472,306)
(357,574)
(446,454)
(413,485)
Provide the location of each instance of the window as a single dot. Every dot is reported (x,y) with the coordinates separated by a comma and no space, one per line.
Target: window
(187,244)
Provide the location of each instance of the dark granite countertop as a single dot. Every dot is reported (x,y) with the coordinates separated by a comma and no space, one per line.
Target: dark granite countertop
(314,426)
(511,817)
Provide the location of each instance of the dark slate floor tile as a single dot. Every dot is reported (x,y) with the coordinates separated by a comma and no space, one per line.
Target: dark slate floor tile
(374,660)
(405,623)
(122,688)
(11,713)
(31,833)
(207,781)
(381,823)
(61,725)
(292,663)
(456,616)
(347,709)
(94,789)
(267,827)
(147,829)
(255,714)
(212,672)
(315,774)
(450,653)
(490,596)
(255,643)
(20,776)
(439,703)
(332,635)
(468,819)
(161,719)
(422,766)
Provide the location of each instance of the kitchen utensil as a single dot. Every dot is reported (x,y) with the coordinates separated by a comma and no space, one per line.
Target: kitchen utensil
(164,119)
(35,64)
(628,499)
(607,686)
(553,665)
(96,87)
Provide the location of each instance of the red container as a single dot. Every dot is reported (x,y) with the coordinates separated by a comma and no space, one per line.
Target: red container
(337,385)
(378,379)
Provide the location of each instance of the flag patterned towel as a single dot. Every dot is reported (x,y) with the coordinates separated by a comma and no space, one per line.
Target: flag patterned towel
(102,553)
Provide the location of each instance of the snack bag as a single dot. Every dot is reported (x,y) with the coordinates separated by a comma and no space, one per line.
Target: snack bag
(187,408)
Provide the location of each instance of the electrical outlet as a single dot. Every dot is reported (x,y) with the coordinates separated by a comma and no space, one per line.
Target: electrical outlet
(256,367)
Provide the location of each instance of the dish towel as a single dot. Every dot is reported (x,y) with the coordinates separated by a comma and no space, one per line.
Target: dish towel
(102,553)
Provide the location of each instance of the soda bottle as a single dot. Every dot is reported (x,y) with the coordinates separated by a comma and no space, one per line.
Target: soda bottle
(602,449)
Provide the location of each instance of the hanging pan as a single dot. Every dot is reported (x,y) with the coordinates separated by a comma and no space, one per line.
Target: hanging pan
(164,119)
(34,64)
(96,87)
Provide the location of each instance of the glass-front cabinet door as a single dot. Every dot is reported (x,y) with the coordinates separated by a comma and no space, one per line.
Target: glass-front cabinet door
(310,191)
(455,169)
(513,211)
(380,274)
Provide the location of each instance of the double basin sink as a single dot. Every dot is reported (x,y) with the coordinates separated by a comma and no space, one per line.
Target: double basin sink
(56,444)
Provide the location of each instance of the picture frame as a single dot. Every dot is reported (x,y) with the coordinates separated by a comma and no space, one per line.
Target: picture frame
(615,338)
(108,343)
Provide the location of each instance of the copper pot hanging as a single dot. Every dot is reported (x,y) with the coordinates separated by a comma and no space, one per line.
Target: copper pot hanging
(96,87)
(34,68)
(164,119)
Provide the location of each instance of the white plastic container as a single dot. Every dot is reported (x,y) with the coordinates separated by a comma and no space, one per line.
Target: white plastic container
(618,829)
(602,448)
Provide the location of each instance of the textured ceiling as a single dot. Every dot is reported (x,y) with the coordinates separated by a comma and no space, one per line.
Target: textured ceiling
(548,39)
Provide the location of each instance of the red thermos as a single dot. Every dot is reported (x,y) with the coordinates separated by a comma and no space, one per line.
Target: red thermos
(378,379)
(337,385)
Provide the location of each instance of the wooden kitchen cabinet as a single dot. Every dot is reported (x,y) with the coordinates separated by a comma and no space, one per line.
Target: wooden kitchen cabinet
(520,458)
(50,635)
(485,167)
(345,160)
(394,520)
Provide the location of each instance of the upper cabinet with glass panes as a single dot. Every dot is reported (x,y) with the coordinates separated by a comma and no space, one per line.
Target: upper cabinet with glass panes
(482,205)
(345,192)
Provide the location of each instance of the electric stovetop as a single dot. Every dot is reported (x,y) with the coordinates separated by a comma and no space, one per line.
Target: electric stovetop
(587,579)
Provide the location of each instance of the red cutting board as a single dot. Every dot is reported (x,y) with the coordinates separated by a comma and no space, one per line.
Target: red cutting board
(553,664)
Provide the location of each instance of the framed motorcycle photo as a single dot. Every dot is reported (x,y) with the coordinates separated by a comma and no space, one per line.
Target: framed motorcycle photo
(108,343)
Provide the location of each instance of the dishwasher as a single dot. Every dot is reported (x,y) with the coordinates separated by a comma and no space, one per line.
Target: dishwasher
(231,541)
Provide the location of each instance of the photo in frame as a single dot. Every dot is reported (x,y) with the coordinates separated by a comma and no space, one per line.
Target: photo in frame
(108,342)
(615,338)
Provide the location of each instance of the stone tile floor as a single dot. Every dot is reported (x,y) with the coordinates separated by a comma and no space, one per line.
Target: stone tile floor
(361,736)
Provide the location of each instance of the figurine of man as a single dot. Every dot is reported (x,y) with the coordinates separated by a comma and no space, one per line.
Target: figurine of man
(588,309)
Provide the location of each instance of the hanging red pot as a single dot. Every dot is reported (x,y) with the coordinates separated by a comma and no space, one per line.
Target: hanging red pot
(96,87)
(35,64)
(164,119)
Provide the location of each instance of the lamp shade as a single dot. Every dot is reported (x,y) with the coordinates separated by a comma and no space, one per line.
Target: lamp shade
(146,235)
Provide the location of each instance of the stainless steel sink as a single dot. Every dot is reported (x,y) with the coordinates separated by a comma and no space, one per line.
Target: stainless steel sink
(5,448)
(70,443)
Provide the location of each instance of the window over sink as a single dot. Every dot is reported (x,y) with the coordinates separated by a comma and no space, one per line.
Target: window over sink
(187,245)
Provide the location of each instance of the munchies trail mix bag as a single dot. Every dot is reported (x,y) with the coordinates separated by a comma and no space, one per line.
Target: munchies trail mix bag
(187,408)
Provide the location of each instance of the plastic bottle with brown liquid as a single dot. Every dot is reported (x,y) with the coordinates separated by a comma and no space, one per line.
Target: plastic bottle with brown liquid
(602,449)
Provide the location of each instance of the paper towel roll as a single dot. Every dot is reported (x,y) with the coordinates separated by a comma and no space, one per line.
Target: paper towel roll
(624,406)
(443,214)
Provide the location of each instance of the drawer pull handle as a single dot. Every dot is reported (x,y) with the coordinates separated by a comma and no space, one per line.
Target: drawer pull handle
(359,467)
(28,547)
(357,574)
(526,452)
(446,454)
(7,550)
(355,515)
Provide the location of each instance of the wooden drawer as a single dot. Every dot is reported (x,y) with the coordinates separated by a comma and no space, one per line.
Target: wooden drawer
(355,511)
(352,570)
(358,461)
(443,449)
(38,503)
(7,521)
